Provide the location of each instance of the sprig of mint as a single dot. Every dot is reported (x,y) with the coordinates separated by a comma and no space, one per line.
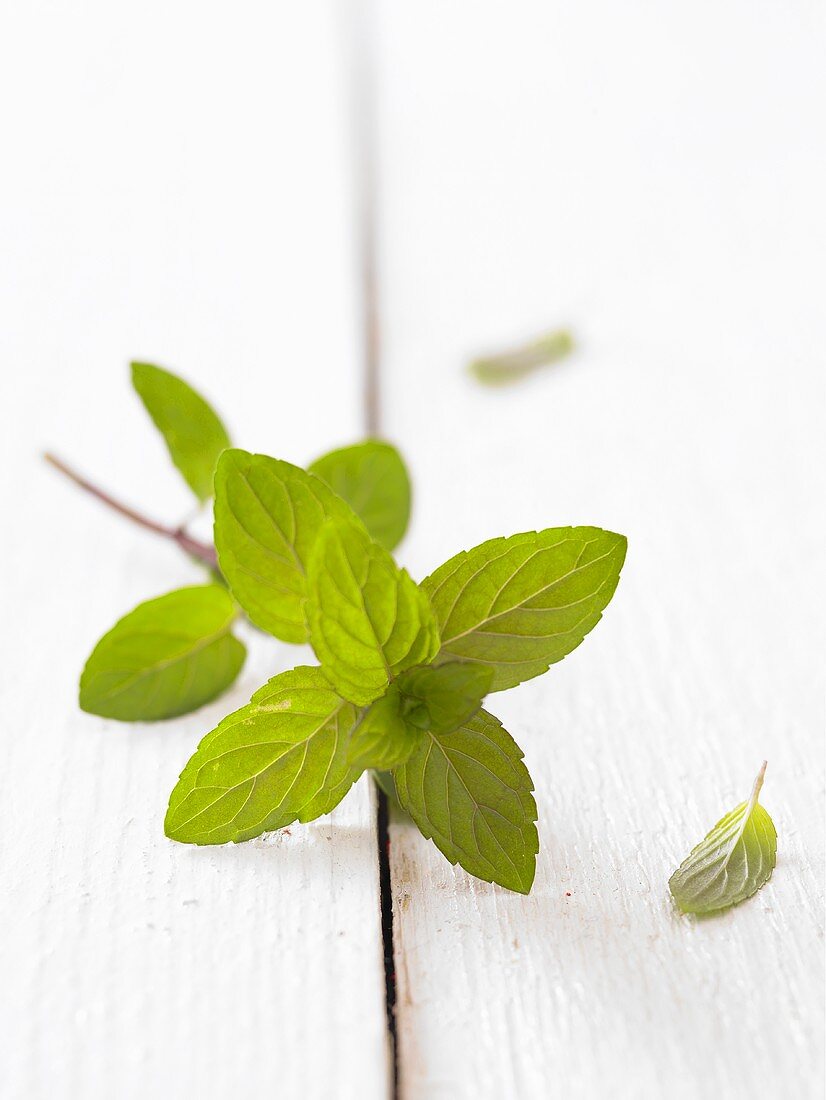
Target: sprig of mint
(732,861)
(404,667)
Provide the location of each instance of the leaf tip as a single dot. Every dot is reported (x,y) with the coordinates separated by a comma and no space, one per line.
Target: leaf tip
(140,371)
(621,543)
(527,880)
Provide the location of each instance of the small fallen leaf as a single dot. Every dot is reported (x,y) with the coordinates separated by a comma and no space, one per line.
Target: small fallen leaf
(517,363)
(732,862)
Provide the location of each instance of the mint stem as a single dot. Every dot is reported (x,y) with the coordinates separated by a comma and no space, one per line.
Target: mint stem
(196,549)
(758,784)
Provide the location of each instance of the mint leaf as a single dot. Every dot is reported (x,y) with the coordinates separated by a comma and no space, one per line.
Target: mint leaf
(268,515)
(369,620)
(470,793)
(372,478)
(438,698)
(193,433)
(519,604)
(511,366)
(450,694)
(281,758)
(384,737)
(384,781)
(167,657)
(732,862)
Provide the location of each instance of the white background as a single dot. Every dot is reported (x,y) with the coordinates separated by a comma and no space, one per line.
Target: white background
(177,185)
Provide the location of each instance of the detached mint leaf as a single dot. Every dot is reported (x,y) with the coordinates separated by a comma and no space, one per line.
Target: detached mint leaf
(373,479)
(193,432)
(369,620)
(167,657)
(281,758)
(384,737)
(450,694)
(268,515)
(519,604)
(733,861)
(517,363)
(470,793)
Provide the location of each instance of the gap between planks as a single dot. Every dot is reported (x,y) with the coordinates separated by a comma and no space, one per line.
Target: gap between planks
(363,91)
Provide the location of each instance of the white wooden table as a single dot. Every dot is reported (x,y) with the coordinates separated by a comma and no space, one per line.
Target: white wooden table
(179,186)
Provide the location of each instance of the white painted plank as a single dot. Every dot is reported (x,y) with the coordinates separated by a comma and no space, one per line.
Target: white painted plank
(652,175)
(176,188)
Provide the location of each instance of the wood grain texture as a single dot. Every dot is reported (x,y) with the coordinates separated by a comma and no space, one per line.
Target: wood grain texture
(650,177)
(164,199)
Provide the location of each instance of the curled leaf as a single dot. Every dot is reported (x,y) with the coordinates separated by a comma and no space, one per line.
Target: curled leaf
(384,737)
(511,366)
(448,695)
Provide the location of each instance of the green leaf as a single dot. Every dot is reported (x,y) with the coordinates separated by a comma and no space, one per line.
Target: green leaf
(438,698)
(369,620)
(281,758)
(268,515)
(519,604)
(384,782)
(372,478)
(450,693)
(167,657)
(470,793)
(384,737)
(511,366)
(193,432)
(733,861)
